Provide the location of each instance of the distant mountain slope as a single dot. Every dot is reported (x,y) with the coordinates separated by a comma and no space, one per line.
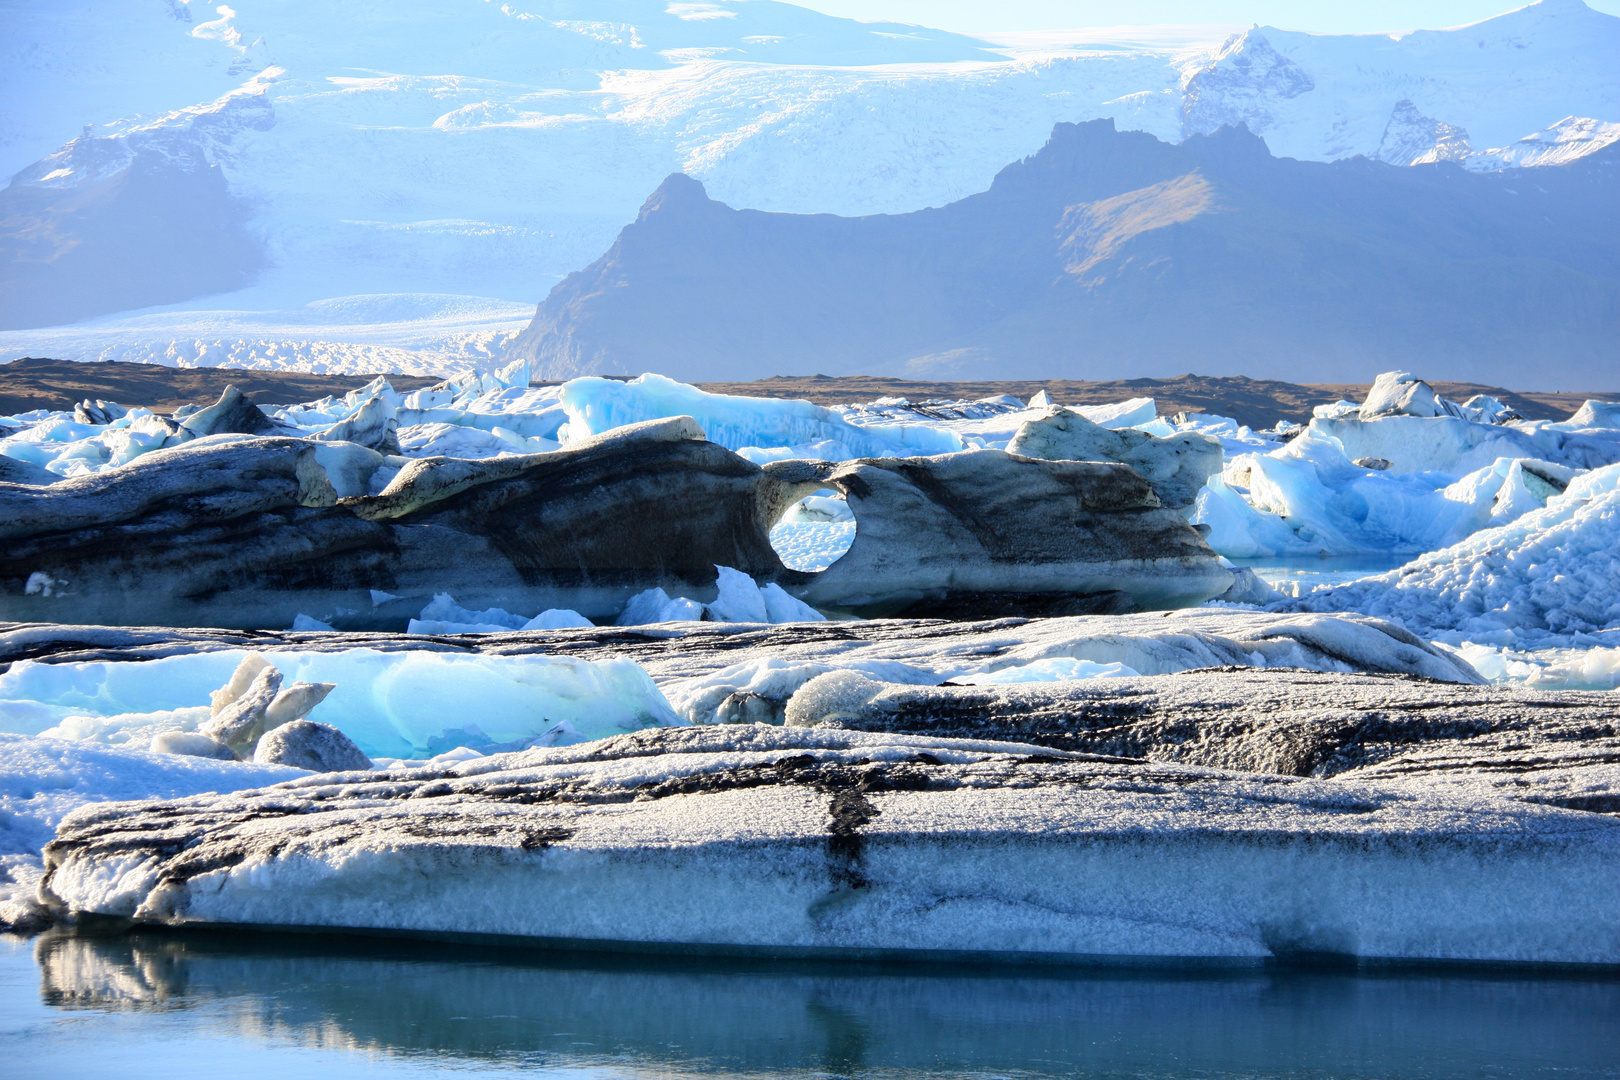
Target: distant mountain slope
(1112,253)
(488,148)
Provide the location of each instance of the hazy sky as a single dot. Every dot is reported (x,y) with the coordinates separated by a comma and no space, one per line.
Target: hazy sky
(1322,16)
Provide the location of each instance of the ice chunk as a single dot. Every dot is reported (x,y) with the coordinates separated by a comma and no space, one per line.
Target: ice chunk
(782,607)
(253,664)
(1399,393)
(372,425)
(443,608)
(296,702)
(1453,446)
(1054,669)
(349,467)
(1121,414)
(557,619)
(1594,414)
(309,623)
(818,508)
(443,615)
(392,704)
(192,744)
(1175,466)
(1311,498)
(739,599)
(240,722)
(1555,570)
(1545,668)
(596,405)
(233,413)
(450,440)
(656,606)
(305,744)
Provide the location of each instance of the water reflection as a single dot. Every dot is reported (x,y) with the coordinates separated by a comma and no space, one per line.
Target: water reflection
(466,1007)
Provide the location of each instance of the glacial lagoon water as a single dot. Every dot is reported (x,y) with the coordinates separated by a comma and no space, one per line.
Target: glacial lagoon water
(1312,571)
(244,1006)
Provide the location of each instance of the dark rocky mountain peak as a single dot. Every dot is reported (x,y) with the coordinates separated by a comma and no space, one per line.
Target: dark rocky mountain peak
(1111,254)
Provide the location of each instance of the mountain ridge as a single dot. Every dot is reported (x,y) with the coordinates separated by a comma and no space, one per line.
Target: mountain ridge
(455,146)
(1108,248)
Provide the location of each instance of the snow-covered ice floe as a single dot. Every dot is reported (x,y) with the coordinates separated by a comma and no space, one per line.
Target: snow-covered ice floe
(923,770)
(43,779)
(803,841)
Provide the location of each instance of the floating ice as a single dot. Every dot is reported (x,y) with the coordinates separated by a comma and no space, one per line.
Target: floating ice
(1315,500)
(1053,669)
(595,405)
(656,606)
(1550,668)
(1405,471)
(817,838)
(403,705)
(1593,414)
(738,599)
(444,616)
(1553,571)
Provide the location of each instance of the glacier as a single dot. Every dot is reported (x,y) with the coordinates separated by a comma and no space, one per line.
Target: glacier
(568,122)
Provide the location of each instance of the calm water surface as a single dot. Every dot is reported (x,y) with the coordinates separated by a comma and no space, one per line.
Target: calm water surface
(233,1007)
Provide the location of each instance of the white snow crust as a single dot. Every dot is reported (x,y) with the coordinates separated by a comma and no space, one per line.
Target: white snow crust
(42,780)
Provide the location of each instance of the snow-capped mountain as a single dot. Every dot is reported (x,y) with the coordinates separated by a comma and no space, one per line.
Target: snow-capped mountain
(482,149)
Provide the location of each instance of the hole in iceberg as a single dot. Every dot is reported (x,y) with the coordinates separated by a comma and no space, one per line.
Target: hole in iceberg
(814,532)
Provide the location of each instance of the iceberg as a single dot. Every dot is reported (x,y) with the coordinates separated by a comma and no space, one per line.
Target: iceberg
(1552,571)
(392,704)
(818,841)
(1315,500)
(444,616)
(595,405)
(1404,472)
